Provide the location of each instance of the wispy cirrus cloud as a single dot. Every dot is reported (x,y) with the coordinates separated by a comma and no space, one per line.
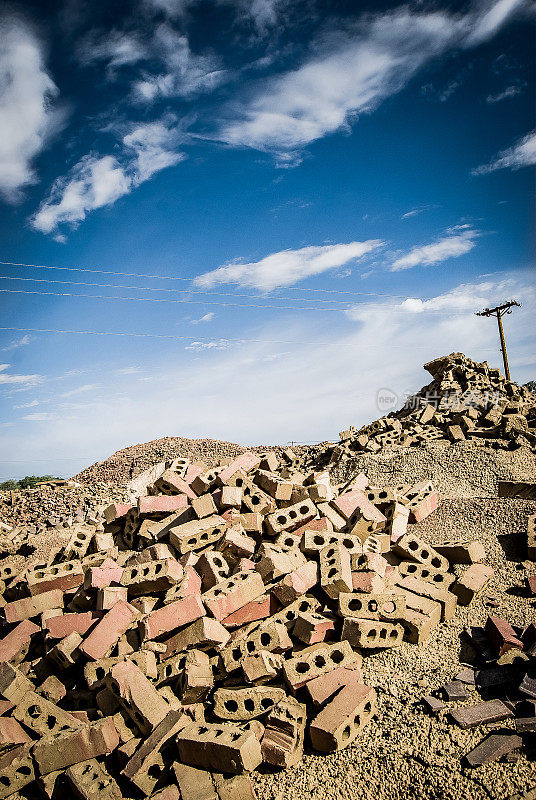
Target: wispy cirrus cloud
(205,318)
(116,48)
(458,240)
(353,73)
(28,117)
(521,154)
(288,266)
(31,404)
(16,343)
(506,94)
(20,381)
(98,181)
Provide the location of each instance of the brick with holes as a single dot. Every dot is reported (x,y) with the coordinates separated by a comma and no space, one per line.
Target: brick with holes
(137,696)
(289,518)
(447,600)
(239,704)
(272,636)
(314,661)
(296,583)
(233,593)
(282,742)
(416,549)
(225,748)
(147,764)
(342,720)
(153,576)
(17,770)
(197,534)
(372,634)
(204,632)
(335,570)
(29,607)
(442,580)
(386,606)
(16,644)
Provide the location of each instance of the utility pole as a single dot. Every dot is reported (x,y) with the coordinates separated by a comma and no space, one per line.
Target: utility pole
(500,311)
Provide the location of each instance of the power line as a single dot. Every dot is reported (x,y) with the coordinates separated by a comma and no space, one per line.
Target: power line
(155,289)
(189,280)
(203,338)
(216,303)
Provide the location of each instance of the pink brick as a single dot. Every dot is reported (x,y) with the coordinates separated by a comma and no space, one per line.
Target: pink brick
(64,624)
(30,607)
(17,641)
(193,471)
(296,583)
(107,573)
(261,608)
(5,707)
(349,503)
(162,504)
(11,734)
(322,525)
(423,508)
(116,511)
(321,689)
(108,631)
(367,582)
(173,615)
(245,462)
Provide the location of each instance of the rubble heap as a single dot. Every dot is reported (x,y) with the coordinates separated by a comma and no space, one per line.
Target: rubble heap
(464,401)
(219,622)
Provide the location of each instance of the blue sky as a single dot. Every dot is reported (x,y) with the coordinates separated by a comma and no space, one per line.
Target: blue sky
(318,199)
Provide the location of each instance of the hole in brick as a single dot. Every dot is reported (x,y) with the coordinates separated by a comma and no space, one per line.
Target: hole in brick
(201,730)
(302,667)
(250,647)
(34,712)
(425,554)
(367,707)
(357,720)
(304,510)
(394,634)
(332,572)
(281,519)
(412,568)
(289,542)
(266,702)
(413,545)
(192,540)
(51,721)
(372,605)
(371,633)
(217,733)
(265,639)
(355,605)
(348,544)
(320,662)
(346,733)
(204,536)
(154,771)
(133,573)
(389,607)
(292,514)
(304,605)
(337,656)
(145,572)
(383,633)
(319,540)
(436,563)
(158,569)
(255,500)
(4,780)
(249,705)
(231,705)
(237,653)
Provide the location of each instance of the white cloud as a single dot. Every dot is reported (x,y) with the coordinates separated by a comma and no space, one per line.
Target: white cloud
(521,154)
(263,13)
(21,381)
(311,394)
(40,417)
(99,181)
(221,344)
(117,48)
(416,211)
(128,371)
(352,74)
(510,91)
(288,266)
(87,387)
(205,318)
(458,241)
(31,404)
(27,114)
(16,343)
(186,73)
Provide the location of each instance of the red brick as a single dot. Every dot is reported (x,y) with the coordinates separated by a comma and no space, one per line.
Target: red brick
(61,626)
(108,631)
(162,504)
(261,608)
(171,616)
(14,646)
(30,607)
(104,575)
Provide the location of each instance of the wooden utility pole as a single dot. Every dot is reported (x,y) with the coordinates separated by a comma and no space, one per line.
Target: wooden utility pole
(500,311)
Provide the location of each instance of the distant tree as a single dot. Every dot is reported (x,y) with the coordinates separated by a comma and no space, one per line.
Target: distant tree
(28,482)
(530,385)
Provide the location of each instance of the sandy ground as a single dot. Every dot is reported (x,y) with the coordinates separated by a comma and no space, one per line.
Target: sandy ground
(405,752)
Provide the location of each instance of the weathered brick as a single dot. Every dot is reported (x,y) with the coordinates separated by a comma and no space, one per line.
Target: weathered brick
(233,593)
(15,645)
(221,748)
(342,720)
(312,662)
(29,607)
(171,616)
(471,583)
(105,635)
(90,741)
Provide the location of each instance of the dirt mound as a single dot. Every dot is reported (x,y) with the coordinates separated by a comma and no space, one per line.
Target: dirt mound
(128,463)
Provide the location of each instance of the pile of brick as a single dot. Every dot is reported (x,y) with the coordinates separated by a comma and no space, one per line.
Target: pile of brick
(465,401)
(216,624)
(28,512)
(506,683)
